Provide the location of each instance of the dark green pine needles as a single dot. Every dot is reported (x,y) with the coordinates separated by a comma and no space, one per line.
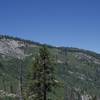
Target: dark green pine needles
(42,76)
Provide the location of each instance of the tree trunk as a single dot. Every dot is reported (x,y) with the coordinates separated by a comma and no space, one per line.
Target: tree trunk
(45,95)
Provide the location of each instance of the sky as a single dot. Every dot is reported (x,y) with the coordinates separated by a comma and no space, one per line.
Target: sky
(69,23)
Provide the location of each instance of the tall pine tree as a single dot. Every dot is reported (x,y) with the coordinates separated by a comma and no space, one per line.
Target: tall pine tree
(42,76)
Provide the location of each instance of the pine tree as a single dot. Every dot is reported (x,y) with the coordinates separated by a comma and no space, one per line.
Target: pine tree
(42,76)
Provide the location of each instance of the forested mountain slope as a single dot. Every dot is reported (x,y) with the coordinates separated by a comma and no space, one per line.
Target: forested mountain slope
(77,70)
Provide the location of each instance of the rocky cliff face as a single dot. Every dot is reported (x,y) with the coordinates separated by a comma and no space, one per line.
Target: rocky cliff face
(11,47)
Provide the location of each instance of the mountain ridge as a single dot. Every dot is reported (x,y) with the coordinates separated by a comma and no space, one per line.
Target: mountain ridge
(81,74)
(40,44)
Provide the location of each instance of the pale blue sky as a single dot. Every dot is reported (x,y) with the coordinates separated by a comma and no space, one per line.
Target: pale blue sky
(72,23)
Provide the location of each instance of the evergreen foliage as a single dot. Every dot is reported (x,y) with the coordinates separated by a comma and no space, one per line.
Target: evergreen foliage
(42,76)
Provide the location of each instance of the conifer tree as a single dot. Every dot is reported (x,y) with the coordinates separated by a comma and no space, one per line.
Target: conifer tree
(42,76)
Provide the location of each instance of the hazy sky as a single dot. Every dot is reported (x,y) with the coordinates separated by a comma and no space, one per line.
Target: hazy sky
(73,23)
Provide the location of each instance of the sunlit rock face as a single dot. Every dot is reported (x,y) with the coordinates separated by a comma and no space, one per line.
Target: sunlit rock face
(11,48)
(86,97)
